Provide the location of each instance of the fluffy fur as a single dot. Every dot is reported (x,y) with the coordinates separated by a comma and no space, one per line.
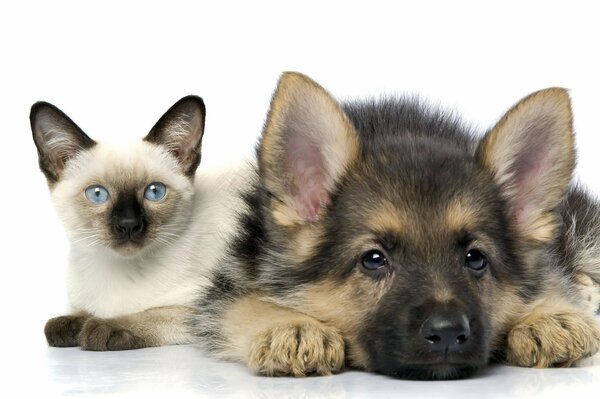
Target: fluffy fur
(384,235)
(133,291)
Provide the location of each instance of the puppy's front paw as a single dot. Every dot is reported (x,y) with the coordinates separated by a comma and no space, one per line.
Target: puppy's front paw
(105,335)
(63,331)
(553,340)
(304,348)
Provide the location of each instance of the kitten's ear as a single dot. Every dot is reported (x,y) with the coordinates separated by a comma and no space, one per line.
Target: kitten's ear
(180,129)
(307,145)
(532,156)
(57,139)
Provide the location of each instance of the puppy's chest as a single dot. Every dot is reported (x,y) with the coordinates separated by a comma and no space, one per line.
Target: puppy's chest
(111,288)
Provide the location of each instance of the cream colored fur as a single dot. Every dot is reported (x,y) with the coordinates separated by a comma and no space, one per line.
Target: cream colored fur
(175,263)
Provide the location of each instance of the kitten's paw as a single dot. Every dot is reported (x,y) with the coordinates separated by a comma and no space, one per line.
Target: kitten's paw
(304,348)
(62,331)
(105,335)
(553,340)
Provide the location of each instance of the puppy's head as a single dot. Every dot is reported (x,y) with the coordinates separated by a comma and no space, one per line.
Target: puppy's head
(418,245)
(124,199)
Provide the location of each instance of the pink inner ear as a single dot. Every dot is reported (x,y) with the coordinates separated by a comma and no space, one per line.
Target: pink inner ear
(307,169)
(530,169)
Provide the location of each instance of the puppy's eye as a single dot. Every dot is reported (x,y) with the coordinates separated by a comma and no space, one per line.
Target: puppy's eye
(373,260)
(475,260)
(96,194)
(155,191)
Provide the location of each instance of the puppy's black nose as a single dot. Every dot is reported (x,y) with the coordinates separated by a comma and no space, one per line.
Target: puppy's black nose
(446,332)
(129,227)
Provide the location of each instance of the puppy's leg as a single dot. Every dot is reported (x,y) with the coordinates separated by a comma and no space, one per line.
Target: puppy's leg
(589,291)
(552,337)
(153,327)
(63,331)
(275,341)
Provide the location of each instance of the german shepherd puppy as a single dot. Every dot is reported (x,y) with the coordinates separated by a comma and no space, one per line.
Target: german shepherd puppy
(384,235)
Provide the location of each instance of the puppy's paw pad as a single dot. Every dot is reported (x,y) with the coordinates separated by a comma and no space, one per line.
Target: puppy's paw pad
(102,335)
(63,331)
(306,348)
(553,340)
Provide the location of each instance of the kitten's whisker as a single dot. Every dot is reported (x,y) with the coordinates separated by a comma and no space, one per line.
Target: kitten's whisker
(93,237)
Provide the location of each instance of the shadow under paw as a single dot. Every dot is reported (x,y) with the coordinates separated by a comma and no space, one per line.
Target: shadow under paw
(102,335)
(63,331)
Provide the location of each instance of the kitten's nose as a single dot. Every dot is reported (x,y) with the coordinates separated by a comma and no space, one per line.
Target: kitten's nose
(446,332)
(127,217)
(129,227)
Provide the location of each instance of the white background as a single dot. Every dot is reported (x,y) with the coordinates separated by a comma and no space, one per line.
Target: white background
(116,66)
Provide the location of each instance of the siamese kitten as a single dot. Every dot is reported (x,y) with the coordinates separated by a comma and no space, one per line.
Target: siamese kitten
(143,231)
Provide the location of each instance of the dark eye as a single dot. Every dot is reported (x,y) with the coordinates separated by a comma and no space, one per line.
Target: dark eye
(475,260)
(373,260)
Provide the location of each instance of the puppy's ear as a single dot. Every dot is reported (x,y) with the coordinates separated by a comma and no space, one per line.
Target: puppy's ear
(57,139)
(532,156)
(180,129)
(307,145)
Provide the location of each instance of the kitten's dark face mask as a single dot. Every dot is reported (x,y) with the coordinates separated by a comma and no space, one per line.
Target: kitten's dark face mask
(135,213)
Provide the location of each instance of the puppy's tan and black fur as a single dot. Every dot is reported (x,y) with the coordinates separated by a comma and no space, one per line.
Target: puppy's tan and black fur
(384,235)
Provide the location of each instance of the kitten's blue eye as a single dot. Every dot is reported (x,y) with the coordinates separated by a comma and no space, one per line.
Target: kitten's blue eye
(155,191)
(96,194)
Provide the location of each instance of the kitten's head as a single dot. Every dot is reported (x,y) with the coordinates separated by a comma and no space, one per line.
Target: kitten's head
(124,199)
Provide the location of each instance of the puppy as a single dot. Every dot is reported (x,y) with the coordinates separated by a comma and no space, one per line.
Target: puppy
(143,232)
(385,236)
